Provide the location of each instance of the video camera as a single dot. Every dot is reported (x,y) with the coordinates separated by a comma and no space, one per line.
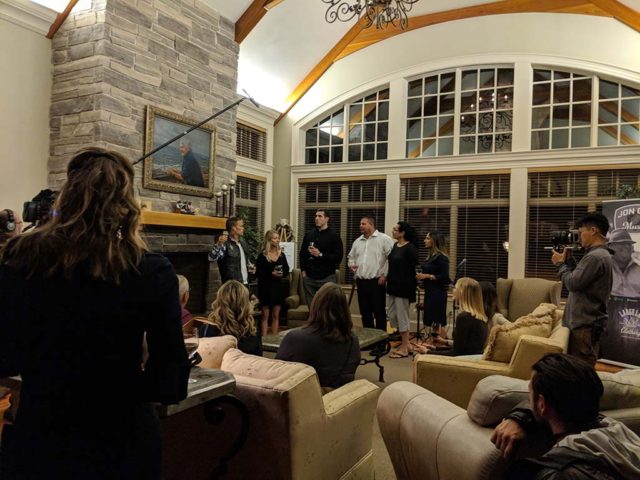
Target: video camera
(561,239)
(37,210)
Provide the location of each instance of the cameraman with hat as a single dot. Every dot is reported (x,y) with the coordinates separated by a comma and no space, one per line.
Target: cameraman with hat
(626,265)
(589,284)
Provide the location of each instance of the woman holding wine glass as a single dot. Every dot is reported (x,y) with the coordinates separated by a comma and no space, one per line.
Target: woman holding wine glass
(78,295)
(271,269)
(434,273)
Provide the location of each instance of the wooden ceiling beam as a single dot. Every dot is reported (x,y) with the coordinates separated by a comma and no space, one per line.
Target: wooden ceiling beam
(251,16)
(55,26)
(371,36)
(314,75)
(620,12)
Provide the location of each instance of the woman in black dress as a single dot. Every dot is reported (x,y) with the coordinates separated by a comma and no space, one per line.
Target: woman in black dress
(435,278)
(231,314)
(401,283)
(271,268)
(78,295)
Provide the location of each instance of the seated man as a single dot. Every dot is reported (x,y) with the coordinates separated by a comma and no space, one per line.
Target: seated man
(564,394)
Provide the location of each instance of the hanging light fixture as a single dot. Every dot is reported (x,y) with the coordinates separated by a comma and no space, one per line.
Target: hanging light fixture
(378,12)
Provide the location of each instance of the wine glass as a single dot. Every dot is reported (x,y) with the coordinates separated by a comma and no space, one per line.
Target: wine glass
(418,269)
(278,269)
(435,330)
(191,345)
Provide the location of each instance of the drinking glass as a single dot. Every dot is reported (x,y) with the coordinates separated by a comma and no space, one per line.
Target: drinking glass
(191,345)
(435,330)
(251,268)
(278,269)
(418,270)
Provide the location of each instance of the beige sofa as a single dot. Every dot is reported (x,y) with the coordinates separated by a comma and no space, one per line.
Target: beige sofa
(430,438)
(454,378)
(297,308)
(295,432)
(518,297)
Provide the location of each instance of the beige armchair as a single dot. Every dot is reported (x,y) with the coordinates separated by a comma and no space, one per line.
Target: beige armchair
(454,378)
(297,308)
(294,431)
(518,297)
(430,438)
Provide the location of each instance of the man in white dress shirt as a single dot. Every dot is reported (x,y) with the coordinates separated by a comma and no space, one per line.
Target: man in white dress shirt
(368,262)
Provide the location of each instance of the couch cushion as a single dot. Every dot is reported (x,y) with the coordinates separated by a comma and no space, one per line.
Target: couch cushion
(503,338)
(494,397)
(503,289)
(212,349)
(621,390)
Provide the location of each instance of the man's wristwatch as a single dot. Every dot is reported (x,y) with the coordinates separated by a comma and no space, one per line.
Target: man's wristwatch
(320,254)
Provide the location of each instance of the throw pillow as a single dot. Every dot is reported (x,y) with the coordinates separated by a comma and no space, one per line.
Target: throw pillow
(504,338)
(621,390)
(494,397)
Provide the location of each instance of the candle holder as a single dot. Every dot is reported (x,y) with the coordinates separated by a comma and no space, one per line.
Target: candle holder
(232,197)
(218,203)
(225,201)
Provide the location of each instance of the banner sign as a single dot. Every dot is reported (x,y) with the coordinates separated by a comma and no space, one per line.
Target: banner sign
(621,341)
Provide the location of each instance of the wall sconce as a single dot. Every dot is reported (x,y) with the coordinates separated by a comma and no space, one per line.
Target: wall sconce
(505,245)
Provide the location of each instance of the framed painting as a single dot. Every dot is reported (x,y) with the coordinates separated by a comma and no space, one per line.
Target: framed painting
(184,166)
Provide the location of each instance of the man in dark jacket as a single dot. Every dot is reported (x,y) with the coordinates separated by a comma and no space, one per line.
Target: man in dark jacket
(564,397)
(232,253)
(589,284)
(320,254)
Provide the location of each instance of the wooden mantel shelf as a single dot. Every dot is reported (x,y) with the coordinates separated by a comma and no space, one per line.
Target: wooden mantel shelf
(180,220)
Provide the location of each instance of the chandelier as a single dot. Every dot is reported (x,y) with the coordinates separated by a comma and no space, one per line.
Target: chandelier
(378,12)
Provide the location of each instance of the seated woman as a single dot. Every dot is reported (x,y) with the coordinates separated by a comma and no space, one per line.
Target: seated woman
(470,333)
(326,343)
(490,302)
(231,315)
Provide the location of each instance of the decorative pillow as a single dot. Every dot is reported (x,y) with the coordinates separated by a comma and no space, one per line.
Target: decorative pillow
(494,397)
(504,338)
(212,349)
(621,390)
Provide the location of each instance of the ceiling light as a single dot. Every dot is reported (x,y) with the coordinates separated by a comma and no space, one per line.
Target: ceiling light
(378,12)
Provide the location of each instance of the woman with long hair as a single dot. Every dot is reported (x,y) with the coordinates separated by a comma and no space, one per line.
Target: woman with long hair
(326,343)
(435,277)
(231,314)
(470,334)
(490,303)
(401,283)
(78,295)
(271,268)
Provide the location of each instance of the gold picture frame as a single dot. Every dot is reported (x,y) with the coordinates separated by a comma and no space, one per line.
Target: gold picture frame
(184,166)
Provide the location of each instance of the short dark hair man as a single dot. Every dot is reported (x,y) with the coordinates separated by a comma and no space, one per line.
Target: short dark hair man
(191,173)
(232,253)
(564,396)
(589,284)
(368,262)
(320,254)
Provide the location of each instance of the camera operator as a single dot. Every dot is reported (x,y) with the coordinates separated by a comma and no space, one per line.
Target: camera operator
(10,225)
(589,284)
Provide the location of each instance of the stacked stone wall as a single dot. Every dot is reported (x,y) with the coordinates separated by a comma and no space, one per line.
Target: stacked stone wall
(117,57)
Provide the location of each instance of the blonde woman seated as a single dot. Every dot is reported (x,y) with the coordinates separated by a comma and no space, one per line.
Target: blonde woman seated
(231,315)
(471,330)
(326,343)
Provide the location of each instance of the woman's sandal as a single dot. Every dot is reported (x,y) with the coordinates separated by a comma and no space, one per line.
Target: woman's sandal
(398,354)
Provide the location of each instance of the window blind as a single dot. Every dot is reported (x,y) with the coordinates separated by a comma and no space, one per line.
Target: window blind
(250,195)
(251,143)
(472,212)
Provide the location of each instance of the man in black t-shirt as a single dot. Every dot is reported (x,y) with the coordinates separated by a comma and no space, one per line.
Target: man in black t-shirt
(321,252)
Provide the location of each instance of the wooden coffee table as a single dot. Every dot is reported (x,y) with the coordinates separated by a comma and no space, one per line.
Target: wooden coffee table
(367,337)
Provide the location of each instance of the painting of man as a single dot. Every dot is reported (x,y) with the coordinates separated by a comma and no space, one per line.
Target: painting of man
(191,173)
